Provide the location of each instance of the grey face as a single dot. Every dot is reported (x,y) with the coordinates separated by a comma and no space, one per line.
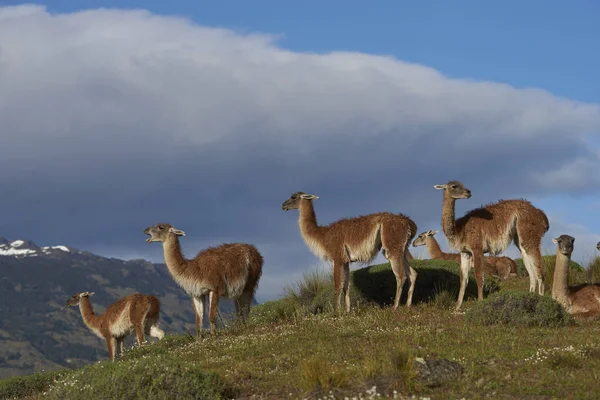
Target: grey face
(161,232)
(293,202)
(565,244)
(73,300)
(455,189)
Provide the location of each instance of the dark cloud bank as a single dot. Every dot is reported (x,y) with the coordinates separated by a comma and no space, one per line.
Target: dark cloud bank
(116,120)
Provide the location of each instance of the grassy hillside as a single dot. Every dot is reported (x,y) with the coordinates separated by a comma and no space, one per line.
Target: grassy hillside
(297,348)
(36,335)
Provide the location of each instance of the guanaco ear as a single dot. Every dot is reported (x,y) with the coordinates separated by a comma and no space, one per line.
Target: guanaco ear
(438,187)
(307,196)
(555,240)
(177,232)
(87,294)
(433,232)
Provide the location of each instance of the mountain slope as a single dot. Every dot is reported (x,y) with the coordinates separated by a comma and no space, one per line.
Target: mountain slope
(35,282)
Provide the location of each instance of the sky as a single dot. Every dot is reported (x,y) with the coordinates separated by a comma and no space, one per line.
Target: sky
(117,115)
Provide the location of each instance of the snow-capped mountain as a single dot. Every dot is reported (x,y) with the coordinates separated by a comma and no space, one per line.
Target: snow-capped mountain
(26,248)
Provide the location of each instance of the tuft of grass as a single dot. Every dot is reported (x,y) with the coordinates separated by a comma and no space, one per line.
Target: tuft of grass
(518,308)
(444,300)
(318,375)
(402,361)
(314,292)
(563,361)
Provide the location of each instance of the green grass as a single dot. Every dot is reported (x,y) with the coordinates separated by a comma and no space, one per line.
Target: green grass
(297,347)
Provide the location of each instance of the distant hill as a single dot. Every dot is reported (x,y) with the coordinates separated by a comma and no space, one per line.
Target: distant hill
(36,281)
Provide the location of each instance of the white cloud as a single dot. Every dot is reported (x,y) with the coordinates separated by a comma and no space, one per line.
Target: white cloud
(113,120)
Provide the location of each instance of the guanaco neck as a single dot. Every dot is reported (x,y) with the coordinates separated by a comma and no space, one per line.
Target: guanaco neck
(90,319)
(448,221)
(307,218)
(434,248)
(560,285)
(174,259)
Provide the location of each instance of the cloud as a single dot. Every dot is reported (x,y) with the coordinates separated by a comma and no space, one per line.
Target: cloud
(113,120)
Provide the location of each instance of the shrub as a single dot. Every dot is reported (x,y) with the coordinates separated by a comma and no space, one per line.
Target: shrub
(518,308)
(142,378)
(378,284)
(21,386)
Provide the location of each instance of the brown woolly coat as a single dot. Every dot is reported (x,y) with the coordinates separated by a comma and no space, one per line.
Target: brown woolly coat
(120,317)
(493,226)
(583,299)
(228,270)
(356,239)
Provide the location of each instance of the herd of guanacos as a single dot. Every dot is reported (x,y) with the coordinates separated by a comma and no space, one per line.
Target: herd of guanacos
(233,270)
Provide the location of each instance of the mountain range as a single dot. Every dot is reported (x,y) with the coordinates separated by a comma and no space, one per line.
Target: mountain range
(35,282)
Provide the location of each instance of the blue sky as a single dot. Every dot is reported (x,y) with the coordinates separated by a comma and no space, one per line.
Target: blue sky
(111,115)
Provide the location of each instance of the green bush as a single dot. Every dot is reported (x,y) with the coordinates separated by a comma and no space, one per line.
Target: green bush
(518,308)
(437,281)
(162,377)
(21,386)
(377,283)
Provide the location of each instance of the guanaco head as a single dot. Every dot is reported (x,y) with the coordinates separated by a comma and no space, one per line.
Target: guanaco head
(565,244)
(294,201)
(420,240)
(598,245)
(160,232)
(74,300)
(455,189)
